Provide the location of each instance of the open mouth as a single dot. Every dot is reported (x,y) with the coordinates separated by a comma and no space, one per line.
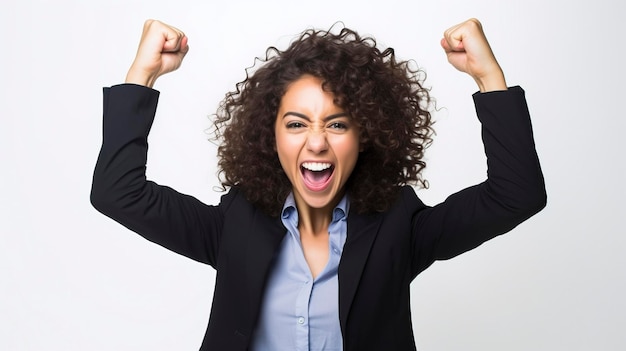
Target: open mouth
(316,175)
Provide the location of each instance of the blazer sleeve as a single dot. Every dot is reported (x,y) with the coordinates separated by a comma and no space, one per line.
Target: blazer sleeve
(121,191)
(513,192)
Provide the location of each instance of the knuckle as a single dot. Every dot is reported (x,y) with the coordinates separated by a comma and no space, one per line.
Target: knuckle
(475,23)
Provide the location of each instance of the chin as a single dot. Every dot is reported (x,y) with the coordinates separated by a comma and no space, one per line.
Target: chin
(320,200)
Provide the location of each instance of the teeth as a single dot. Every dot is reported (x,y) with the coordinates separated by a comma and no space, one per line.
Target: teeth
(316,166)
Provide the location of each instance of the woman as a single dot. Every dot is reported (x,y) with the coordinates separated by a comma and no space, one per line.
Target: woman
(319,236)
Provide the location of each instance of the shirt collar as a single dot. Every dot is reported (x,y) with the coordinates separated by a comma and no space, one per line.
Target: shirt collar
(340,212)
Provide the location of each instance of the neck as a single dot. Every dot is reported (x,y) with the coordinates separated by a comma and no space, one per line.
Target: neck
(314,221)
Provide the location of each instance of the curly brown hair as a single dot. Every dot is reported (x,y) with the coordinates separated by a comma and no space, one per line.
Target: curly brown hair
(385,97)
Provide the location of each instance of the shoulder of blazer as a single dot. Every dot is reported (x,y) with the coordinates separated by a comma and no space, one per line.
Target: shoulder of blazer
(245,223)
(412,203)
(227,200)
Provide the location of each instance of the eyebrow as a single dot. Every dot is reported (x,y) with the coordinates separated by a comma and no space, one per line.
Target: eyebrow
(325,119)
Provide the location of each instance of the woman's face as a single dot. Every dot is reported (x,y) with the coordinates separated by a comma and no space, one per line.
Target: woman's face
(317,143)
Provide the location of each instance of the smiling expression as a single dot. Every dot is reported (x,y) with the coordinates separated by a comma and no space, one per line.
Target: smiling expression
(317,143)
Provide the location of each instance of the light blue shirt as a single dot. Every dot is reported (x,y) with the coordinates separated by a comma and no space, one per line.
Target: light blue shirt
(300,313)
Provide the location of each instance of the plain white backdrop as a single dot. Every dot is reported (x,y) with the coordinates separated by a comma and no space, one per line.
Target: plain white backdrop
(72,279)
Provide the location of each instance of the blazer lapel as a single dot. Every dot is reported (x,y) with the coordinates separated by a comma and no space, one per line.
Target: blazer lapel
(266,234)
(362,230)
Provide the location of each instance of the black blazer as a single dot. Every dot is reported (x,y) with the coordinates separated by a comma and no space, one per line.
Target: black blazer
(383,252)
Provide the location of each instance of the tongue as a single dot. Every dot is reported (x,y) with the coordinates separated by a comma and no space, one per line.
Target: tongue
(317,179)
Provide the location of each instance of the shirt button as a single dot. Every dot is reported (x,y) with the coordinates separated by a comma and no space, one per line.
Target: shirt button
(300,320)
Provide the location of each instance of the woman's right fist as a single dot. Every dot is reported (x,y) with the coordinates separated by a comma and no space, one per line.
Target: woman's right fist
(161,50)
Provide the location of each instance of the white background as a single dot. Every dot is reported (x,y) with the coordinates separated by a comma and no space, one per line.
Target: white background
(72,279)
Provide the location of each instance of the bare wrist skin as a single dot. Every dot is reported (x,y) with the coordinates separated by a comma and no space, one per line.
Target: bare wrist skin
(492,82)
(140,78)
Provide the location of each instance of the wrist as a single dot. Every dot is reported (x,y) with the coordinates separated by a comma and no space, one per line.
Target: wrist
(140,77)
(491,82)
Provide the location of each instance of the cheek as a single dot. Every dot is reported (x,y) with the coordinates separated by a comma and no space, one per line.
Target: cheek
(285,162)
(286,150)
(348,151)
(280,152)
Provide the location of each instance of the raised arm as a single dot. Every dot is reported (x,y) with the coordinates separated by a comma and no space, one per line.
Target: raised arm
(120,189)
(514,189)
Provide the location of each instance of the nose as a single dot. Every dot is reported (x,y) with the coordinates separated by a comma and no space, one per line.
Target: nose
(316,141)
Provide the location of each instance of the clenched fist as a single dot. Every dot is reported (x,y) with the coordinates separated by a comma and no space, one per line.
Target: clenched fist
(468,51)
(161,50)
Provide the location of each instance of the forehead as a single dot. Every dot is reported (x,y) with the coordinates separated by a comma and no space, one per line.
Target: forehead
(305,83)
(307,92)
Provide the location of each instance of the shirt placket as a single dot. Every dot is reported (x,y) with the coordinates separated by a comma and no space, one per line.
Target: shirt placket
(302,315)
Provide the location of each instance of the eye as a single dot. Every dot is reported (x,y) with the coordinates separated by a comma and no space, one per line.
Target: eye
(294,125)
(338,125)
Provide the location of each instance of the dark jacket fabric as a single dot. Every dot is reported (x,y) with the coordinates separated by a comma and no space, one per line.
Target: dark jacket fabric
(383,252)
